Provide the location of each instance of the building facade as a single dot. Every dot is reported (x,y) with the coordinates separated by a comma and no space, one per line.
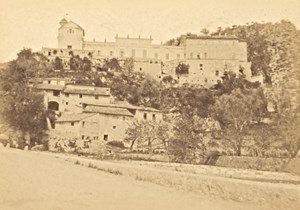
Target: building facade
(89,113)
(207,56)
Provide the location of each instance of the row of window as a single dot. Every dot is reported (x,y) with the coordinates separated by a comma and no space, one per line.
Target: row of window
(57,93)
(83,124)
(133,54)
(146,116)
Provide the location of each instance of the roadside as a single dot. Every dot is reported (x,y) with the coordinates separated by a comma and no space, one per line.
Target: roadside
(217,182)
(34,181)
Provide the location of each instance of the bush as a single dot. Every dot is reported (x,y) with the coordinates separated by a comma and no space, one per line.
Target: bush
(116,144)
(182,69)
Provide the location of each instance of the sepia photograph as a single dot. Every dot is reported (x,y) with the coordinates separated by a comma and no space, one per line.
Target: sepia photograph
(150,105)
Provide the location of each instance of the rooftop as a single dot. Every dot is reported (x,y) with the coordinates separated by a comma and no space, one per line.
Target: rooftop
(107,110)
(124,105)
(214,37)
(68,117)
(87,90)
(50,87)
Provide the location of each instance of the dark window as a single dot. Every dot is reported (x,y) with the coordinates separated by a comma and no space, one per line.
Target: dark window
(105,137)
(153,117)
(83,123)
(80,95)
(198,56)
(145,116)
(69,47)
(72,124)
(49,81)
(82,137)
(66,94)
(56,92)
(49,53)
(67,103)
(86,144)
(141,69)
(96,97)
(201,67)
(114,127)
(217,73)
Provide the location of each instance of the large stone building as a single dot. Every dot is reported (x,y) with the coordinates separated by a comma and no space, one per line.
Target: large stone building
(208,57)
(89,113)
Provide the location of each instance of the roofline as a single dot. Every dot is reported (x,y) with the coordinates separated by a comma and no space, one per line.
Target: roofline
(124,106)
(214,37)
(93,94)
(92,114)
(108,113)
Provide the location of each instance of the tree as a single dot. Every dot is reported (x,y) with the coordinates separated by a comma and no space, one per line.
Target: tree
(135,87)
(129,64)
(149,135)
(231,81)
(205,31)
(58,64)
(189,100)
(236,111)
(272,47)
(75,63)
(32,64)
(187,142)
(168,79)
(22,106)
(182,68)
(86,64)
(112,64)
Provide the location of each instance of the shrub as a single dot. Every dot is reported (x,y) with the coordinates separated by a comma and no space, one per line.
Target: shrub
(116,144)
(182,69)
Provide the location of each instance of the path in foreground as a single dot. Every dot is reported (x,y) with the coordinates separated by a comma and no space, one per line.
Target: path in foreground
(35,181)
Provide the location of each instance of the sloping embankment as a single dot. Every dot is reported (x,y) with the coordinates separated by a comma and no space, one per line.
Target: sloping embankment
(277,195)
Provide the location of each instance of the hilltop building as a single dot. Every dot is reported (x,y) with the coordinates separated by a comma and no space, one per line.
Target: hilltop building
(208,57)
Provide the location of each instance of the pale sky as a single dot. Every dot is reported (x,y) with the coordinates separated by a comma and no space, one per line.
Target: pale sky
(34,23)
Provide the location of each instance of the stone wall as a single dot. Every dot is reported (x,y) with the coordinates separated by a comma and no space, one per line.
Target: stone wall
(257,163)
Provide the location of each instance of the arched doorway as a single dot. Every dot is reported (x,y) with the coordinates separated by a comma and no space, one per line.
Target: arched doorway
(53,105)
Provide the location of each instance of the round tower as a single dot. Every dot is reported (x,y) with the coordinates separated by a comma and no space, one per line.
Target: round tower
(70,35)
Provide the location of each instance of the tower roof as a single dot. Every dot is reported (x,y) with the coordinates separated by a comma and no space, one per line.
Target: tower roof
(70,24)
(63,22)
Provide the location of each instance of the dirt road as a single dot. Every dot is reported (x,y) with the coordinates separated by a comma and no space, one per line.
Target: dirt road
(31,181)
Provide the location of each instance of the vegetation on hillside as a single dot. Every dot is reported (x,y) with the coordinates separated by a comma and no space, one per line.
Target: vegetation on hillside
(21,106)
(237,105)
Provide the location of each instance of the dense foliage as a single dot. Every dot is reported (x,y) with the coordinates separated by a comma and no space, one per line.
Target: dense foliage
(21,106)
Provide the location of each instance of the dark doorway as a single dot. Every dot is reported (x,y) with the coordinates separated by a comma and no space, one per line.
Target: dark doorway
(53,105)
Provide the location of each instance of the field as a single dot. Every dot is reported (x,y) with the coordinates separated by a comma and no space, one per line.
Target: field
(37,180)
